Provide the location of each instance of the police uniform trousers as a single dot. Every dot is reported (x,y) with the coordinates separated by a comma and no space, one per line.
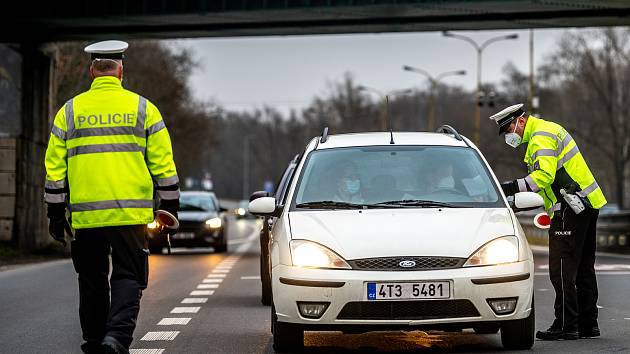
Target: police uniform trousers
(572,243)
(101,316)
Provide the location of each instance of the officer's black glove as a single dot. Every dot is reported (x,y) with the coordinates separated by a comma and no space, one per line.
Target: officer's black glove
(170,205)
(58,223)
(509,188)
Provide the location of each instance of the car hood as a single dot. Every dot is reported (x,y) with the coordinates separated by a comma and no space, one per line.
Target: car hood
(196,215)
(354,234)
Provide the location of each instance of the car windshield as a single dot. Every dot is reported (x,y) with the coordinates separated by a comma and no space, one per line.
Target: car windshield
(196,202)
(395,176)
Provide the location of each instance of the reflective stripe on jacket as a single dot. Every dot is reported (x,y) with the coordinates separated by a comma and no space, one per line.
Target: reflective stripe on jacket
(555,162)
(111,146)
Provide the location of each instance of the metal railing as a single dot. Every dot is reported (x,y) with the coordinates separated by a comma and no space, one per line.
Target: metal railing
(613,231)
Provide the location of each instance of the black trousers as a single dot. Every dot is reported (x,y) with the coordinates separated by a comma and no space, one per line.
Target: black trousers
(101,316)
(572,243)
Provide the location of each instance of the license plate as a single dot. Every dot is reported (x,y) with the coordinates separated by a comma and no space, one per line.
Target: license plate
(416,290)
(184,235)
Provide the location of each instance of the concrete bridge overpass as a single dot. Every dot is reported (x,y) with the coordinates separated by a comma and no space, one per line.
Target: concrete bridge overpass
(25,108)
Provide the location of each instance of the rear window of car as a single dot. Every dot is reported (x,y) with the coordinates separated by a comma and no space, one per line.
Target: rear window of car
(378,174)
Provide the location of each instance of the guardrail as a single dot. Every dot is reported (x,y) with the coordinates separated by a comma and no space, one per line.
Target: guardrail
(613,231)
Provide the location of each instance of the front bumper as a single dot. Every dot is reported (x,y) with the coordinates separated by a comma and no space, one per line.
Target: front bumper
(201,236)
(341,287)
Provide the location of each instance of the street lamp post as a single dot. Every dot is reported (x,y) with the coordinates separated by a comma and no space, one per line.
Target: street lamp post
(479,48)
(434,81)
(385,96)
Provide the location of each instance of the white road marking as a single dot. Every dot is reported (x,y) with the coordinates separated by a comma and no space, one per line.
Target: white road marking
(598,273)
(213,280)
(185,309)
(146,351)
(599,307)
(216,276)
(223,267)
(195,300)
(168,321)
(207,286)
(542,289)
(599,267)
(201,292)
(167,335)
(250,277)
(221,271)
(627,318)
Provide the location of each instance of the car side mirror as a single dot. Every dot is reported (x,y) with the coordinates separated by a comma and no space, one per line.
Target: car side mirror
(524,201)
(258,194)
(263,206)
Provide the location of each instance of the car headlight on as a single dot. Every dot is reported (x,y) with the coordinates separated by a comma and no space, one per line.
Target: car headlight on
(313,255)
(152,225)
(240,211)
(214,223)
(498,251)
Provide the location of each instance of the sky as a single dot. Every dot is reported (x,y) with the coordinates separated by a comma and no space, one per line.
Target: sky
(287,72)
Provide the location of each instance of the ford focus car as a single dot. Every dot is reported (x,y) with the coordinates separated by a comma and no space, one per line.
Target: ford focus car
(398,231)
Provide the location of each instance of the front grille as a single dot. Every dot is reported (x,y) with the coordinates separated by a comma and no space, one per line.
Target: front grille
(407,310)
(393,263)
(191,226)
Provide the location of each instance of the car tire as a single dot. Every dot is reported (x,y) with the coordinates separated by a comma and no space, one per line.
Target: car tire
(519,334)
(221,246)
(287,337)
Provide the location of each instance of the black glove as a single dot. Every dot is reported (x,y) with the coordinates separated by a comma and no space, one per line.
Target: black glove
(509,188)
(170,205)
(57,229)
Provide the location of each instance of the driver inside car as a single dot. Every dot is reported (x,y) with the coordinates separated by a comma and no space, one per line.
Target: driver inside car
(349,185)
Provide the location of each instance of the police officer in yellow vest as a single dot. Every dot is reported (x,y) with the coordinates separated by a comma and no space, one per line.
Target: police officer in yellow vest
(108,150)
(558,172)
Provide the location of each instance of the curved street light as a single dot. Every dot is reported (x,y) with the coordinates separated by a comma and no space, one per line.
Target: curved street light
(434,81)
(479,48)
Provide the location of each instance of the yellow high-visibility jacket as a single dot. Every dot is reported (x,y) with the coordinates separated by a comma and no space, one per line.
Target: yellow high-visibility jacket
(554,162)
(107,148)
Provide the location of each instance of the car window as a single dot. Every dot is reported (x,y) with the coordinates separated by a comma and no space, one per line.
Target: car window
(378,174)
(284,182)
(196,202)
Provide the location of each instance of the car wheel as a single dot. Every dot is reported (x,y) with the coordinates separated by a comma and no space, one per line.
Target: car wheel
(491,328)
(519,334)
(221,246)
(287,337)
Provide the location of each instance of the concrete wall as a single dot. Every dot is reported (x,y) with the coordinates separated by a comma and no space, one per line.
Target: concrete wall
(10,129)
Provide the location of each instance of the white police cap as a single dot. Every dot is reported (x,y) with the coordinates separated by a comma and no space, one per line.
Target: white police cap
(506,116)
(107,49)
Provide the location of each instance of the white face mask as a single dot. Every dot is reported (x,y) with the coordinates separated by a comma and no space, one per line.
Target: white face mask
(513,139)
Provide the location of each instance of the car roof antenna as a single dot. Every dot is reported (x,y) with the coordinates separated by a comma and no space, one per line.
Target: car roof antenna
(324,137)
(389,120)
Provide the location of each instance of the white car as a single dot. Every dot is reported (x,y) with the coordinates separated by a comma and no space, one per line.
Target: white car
(398,231)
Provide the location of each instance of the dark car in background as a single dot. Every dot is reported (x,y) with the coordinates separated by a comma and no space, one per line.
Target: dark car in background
(202,223)
(265,232)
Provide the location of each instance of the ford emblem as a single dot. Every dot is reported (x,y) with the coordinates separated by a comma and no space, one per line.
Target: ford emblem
(407,264)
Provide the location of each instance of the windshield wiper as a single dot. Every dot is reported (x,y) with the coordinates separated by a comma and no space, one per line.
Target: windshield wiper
(329,204)
(418,202)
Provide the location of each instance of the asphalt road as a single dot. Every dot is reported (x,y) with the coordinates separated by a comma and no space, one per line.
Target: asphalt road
(200,302)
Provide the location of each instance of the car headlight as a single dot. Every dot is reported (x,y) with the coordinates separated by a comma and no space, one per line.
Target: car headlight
(313,255)
(152,225)
(214,223)
(500,250)
(241,211)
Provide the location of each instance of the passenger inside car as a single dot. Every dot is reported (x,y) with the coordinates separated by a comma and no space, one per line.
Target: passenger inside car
(348,185)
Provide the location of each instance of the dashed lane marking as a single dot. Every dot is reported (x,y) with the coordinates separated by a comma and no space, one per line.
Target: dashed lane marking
(598,273)
(207,286)
(195,300)
(185,309)
(166,335)
(216,275)
(201,292)
(248,277)
(220,271)
(146,351)
(213,280)
(168,321)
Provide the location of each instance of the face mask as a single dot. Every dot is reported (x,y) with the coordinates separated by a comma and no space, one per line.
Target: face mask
(513,139)
(446,183)
(352,186)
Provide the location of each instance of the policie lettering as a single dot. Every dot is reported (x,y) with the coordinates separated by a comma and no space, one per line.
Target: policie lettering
(102,119)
